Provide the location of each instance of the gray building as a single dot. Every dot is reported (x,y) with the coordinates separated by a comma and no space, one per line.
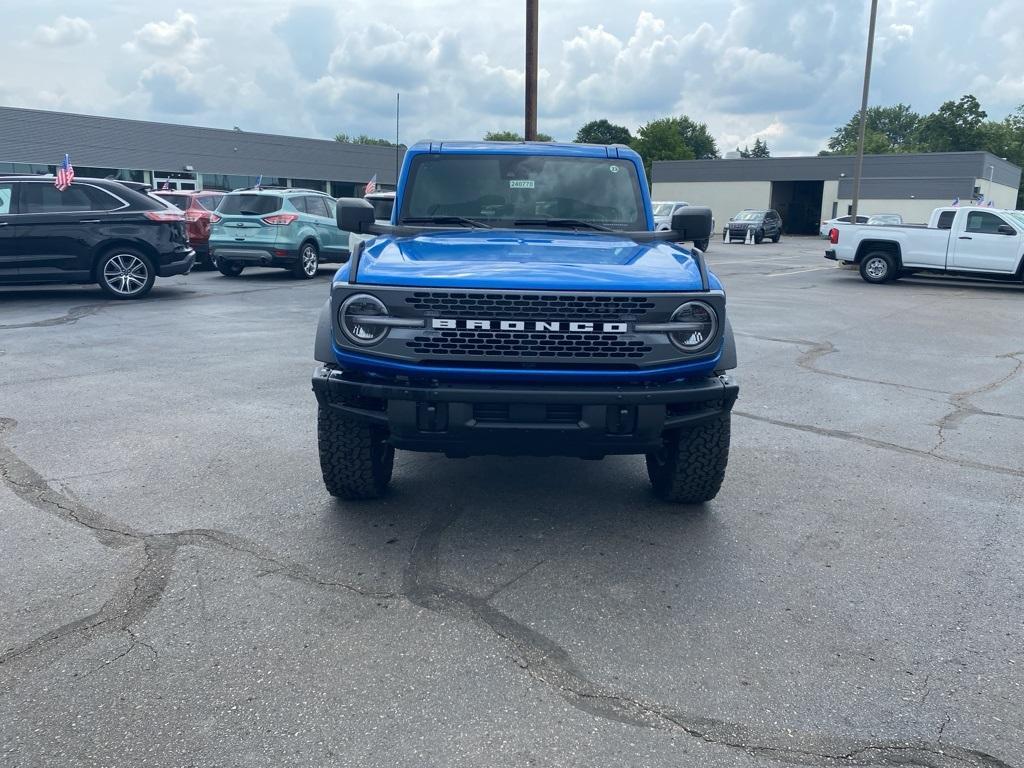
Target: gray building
(186,157)
(807,190)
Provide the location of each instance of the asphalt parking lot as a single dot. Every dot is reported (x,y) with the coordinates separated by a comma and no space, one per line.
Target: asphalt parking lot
(177,589)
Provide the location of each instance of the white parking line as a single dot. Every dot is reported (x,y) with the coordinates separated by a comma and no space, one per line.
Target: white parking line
(798,271)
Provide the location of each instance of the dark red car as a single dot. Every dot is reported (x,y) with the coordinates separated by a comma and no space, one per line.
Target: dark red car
(198,208)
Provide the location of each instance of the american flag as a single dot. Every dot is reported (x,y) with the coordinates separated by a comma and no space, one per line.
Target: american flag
(371,186)
(65,174)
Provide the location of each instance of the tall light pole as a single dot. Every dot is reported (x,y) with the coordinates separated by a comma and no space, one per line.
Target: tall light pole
(531,70)
(859,163)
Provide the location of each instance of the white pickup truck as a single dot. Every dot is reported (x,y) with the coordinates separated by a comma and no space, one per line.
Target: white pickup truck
(967,241)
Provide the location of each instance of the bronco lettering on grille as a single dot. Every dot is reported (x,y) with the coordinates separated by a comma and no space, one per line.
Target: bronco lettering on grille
(553,326)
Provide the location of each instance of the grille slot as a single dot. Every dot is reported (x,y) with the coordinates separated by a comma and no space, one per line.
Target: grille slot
(536,344)
(503,412)
(523,306)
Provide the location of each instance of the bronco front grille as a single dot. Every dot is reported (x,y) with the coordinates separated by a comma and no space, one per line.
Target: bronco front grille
(559,346)
(524,306)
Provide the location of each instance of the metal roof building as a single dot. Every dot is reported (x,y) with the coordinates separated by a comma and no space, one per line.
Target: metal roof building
(183,156)
(806,190)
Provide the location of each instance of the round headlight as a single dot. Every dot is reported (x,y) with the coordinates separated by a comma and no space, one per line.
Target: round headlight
(701,326)
(356,319)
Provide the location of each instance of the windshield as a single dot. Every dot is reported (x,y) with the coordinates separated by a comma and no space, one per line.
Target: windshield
(748,216)
(249,205)
(663,209)
(382,207)
(209,202)
(1016,216)
(500,189)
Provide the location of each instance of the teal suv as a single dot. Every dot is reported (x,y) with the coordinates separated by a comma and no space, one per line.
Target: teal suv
(294,229)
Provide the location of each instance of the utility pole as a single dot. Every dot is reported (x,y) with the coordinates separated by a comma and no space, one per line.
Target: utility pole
(531,70)
(398,151)
(859,163)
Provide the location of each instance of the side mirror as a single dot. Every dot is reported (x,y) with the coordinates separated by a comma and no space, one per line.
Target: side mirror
(354,214)
(692,223)
(1006,229)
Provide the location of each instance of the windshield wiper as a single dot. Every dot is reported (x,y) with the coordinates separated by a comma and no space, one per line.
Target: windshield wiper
(564,223)
(446,220)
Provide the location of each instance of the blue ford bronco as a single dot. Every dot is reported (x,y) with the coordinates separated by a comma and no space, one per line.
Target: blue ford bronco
(520,303)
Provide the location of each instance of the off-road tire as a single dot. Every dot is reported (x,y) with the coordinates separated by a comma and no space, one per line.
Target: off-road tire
(355,459)
(229,268)
(758,237)
(878,267)
(776,237)
(702,245)
(690,467)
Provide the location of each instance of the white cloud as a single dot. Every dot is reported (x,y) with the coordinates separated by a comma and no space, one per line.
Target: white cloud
(179,37)
(774,69)
(66,30)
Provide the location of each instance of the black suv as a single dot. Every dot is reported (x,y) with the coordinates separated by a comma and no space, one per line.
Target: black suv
(763,222)
(95,231)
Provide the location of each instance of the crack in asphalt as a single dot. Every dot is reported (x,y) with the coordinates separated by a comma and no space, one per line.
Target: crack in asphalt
(550,664)
(73,315)
(818,349)
(959,401)
(543,659)
(142,587)
(963,407)
(872,442)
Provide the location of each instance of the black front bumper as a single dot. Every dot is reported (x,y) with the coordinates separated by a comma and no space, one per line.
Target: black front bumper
(510,419)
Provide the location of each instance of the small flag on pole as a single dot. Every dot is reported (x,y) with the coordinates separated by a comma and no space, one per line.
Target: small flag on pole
(259,181)
(956,200)
(65,174)
(371,186)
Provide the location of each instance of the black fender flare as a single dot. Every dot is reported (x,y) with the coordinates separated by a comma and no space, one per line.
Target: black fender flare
(323,347)
(728,359)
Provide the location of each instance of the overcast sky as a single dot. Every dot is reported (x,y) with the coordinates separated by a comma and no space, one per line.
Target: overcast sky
(787,71)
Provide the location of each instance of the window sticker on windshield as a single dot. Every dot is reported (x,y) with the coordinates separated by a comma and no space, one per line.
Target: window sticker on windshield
(520,183)
(613,168)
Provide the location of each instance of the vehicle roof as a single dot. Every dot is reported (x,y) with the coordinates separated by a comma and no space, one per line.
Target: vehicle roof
(49,177)
(193,192)
(380,196)
(276,191)
(549,148)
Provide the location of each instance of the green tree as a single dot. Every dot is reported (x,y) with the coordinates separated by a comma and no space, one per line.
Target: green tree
(760,149)
(898,124)
(956,126)
(362,138)
(745,152)
(603,132)
(661,140)
(511,136)
(697,137)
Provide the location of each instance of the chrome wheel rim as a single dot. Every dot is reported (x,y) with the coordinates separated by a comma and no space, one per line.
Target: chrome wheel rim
(876,268)
(309,260)
(125,274)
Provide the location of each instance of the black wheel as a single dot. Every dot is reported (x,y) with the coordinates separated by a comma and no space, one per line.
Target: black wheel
(309,262)
(776,237)
(355,458)
(229,268)
(702,244)
(125,273)
(759,236)
(690,466)
(878,267)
